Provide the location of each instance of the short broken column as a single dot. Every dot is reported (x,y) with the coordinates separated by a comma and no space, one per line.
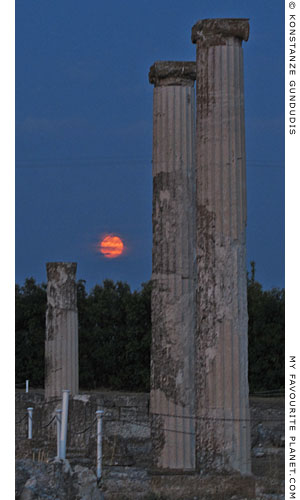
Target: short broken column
(223,427)
(61,346)
(172,404)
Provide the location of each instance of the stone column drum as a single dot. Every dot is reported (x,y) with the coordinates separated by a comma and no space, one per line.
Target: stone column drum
(61,348)
(223,427)
(173,266)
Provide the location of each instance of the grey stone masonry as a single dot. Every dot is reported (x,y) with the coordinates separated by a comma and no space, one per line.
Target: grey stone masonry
(61,346)
(172,403)
(223,426)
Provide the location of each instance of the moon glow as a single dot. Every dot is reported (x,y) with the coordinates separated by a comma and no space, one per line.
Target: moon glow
(111,246)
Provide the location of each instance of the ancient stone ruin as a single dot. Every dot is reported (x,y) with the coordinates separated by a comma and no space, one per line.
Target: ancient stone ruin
(192,439)
(173,270)
(223,434)
(199,368)
(61,346)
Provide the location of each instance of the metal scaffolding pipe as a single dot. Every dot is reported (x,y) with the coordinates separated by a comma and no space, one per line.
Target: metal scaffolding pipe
(58,428)
(99,414)
(30,411)
(64,424)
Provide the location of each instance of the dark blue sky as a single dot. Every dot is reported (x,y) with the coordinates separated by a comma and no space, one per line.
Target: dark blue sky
(84,129)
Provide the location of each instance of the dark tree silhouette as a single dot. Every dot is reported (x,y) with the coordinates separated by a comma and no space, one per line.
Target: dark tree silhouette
(265,336)
(115,335)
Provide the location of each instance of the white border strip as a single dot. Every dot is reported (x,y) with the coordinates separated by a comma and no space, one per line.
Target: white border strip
(7,103)
(292,219)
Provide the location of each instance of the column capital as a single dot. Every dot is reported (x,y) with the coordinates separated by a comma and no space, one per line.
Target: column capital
(209,32)
(165,73)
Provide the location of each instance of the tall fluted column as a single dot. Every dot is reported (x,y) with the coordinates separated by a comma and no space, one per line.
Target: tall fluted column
(61,347)
(223,429)
(172,403)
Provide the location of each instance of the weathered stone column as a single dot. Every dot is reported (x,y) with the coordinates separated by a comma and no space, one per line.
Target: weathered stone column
(223,430)
(61,348)
(173,266)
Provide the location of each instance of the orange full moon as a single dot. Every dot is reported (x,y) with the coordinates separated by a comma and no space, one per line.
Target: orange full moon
(111,246)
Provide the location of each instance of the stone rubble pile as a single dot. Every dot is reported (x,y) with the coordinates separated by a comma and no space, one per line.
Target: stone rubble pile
(55,480)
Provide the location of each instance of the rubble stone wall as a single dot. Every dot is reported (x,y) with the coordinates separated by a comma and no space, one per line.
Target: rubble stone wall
(126,429)
(127,446)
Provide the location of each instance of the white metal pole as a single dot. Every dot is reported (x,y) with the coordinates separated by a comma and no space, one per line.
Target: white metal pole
(64,424)
(99,414)
(30,410)
(27,385)
(58,430)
